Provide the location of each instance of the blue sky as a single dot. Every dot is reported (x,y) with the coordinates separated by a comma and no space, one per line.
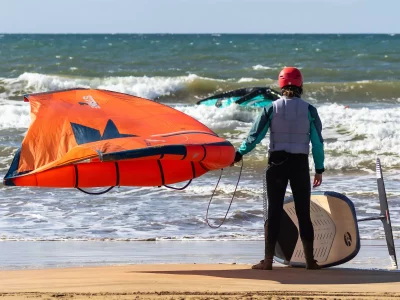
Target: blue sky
(199,16)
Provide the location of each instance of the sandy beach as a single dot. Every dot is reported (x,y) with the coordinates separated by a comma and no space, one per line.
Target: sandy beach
(191,270)
(198,281)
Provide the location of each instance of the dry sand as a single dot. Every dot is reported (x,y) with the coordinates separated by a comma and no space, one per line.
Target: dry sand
(198,281)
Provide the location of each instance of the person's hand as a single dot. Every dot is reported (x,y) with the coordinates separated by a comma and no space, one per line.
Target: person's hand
(317,180)
(238,157)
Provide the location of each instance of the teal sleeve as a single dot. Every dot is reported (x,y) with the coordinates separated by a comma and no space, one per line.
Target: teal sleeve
(257,131)
(317,141)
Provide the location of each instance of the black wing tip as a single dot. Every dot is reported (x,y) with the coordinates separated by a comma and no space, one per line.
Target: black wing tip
(383,203)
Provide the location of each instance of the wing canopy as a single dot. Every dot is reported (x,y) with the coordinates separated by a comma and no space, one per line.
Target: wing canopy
(87,125)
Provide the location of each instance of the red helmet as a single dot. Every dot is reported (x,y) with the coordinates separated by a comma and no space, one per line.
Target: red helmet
(290,76)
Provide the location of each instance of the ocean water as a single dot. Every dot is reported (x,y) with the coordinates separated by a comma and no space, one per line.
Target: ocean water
(353,80)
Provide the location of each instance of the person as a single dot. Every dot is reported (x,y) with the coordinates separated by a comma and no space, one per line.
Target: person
(293,123)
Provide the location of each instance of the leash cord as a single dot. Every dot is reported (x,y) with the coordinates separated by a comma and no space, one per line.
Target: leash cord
(233,196)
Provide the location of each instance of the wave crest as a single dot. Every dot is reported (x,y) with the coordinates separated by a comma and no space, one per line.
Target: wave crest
(190,88)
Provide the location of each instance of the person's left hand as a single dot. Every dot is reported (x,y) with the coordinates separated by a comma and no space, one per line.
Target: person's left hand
(317,180)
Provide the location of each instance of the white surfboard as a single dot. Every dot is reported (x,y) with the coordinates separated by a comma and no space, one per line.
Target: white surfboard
(336,236)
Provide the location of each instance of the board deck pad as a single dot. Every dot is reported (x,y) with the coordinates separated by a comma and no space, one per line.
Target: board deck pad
(336,236)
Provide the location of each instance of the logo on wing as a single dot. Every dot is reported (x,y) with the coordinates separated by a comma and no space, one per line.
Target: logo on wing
(88,100)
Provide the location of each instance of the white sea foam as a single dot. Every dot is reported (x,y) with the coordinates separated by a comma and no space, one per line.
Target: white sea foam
(228,118)
(261,67)
(370,132)
(147,87)
(244,79)
(14,114)
(353,136)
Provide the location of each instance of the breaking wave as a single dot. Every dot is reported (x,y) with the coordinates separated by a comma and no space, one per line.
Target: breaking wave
(190,88)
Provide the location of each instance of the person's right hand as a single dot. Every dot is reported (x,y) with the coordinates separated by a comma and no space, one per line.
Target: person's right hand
(238,157)
(317,180)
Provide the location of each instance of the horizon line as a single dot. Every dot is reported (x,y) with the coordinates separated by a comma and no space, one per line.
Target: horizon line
(210,33)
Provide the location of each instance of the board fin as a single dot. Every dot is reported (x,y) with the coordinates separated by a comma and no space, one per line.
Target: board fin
(387,226)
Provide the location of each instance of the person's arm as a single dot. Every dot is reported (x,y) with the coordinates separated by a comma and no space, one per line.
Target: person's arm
(317,141)
(257,131)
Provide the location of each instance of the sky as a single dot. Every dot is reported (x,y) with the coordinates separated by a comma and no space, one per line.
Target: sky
(199,16)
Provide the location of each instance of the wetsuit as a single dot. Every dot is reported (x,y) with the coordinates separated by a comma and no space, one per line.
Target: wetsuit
(293,123)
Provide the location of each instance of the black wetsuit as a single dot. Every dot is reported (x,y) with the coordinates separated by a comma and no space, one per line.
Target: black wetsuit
(284,167)
(294,124)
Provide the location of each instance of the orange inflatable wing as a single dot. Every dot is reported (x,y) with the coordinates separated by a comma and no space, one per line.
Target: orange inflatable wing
(93,138)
